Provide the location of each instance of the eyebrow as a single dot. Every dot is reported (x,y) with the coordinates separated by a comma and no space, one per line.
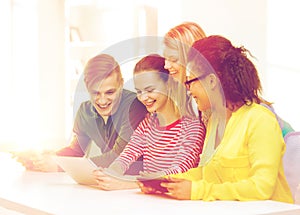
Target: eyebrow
(93,91)
(112,90)
(109,90)
(172,57)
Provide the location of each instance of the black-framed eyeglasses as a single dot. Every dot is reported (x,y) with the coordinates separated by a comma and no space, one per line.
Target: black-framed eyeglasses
(188,83)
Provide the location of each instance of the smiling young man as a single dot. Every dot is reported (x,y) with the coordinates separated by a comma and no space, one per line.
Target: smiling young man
(108,118)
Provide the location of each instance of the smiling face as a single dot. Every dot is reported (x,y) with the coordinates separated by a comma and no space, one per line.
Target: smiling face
(151,91)
(105,95)
(172,63)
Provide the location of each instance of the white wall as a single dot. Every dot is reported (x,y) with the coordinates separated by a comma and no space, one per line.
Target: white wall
(6,80)
(267,28)
(243,22)
(51,67)
(283,59)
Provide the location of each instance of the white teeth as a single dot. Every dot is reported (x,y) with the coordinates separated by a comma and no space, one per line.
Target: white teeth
(103,106)
(173,72)
(148,103)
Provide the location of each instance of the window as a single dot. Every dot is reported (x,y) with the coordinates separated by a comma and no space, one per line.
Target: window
(19,77)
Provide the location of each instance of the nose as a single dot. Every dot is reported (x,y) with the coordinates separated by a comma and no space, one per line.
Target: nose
(101,99)
(144,96)
(167,64)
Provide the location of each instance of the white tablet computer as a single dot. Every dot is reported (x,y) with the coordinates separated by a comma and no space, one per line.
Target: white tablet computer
(79,168)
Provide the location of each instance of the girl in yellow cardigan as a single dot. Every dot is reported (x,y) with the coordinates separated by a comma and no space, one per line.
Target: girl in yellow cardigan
(242,155)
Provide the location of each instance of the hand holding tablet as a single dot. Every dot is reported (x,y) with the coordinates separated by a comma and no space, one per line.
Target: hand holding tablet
(154,183)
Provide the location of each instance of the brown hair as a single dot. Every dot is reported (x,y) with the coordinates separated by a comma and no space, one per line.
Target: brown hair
(152,62)
(155,63)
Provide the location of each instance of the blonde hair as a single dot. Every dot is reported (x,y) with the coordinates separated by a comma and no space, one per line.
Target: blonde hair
(100,67)
(181,38)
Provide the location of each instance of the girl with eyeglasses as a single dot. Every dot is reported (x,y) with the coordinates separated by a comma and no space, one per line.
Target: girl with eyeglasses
(243,149)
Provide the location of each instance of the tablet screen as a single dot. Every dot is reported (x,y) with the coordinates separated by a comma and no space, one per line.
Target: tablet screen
(79,168)
(154,183)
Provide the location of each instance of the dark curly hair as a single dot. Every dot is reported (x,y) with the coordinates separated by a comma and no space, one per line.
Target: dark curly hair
(237,74)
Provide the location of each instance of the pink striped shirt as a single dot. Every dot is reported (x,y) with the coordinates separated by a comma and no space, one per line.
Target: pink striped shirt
(171,149)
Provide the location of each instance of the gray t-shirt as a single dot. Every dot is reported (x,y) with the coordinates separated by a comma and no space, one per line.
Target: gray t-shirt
(111,137)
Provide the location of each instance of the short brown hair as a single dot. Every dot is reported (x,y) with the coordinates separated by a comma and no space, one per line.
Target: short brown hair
(100,67)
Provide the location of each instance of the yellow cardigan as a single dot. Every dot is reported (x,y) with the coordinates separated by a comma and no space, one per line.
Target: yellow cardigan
(247,164)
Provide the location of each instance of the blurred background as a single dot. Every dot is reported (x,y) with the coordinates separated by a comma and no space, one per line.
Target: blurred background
(46,43)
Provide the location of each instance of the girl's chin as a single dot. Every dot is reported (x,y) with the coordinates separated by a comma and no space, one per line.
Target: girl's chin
(176,76)
(150,110)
